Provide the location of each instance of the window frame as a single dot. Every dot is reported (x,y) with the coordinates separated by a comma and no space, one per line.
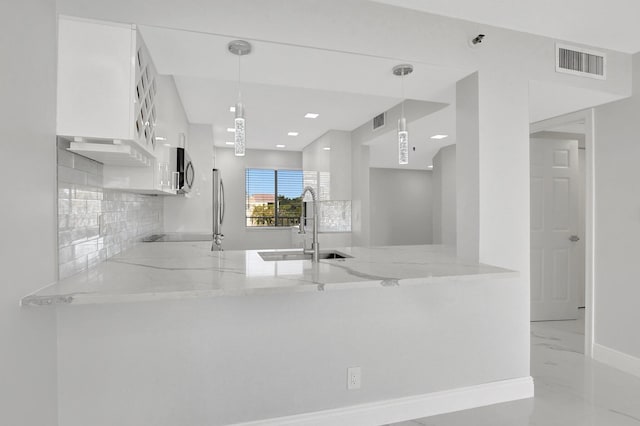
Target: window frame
(276,215)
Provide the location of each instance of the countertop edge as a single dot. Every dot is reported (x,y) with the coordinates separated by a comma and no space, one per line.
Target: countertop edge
(33,300)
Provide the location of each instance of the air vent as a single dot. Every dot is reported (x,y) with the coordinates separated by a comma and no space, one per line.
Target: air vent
(378,121)
(576,61)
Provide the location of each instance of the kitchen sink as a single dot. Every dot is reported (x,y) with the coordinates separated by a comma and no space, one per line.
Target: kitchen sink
(299,255)
(177,237)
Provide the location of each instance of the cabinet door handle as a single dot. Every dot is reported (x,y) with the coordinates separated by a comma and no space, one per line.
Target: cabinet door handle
(574,238)
(222,206)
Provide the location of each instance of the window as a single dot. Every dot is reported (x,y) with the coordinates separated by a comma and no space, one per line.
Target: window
(273,197)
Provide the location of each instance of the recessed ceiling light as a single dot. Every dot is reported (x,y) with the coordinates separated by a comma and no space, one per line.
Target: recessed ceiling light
(232,109)
(327,148)
(280,146)
(231,130)
(161,138)
(230,143)
(311,115)
(292,133)
(439,136)
(429,167)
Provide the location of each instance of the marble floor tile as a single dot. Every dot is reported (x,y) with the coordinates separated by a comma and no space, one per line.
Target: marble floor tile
(569,389)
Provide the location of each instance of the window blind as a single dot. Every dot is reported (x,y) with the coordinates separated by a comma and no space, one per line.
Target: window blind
(273,197)
(289,188)
(260,187)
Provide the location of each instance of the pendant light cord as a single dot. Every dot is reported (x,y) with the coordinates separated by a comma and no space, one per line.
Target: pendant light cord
(402,86)
(239,89)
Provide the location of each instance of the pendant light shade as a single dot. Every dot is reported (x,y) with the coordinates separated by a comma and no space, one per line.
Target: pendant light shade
(238,143)
(239,48)
(403,142)
(403,133)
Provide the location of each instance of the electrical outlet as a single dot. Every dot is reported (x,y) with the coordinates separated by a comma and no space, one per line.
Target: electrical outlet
(354,378)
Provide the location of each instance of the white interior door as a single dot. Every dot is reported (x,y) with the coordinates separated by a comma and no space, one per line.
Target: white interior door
(554,229)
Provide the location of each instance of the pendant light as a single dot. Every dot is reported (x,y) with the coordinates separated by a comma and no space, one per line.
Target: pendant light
(239,48)
(403,133)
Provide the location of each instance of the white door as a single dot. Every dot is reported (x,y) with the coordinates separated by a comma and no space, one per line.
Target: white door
(554,229)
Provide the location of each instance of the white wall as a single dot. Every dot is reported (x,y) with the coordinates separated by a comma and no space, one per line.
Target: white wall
(193,212)
(231,359)
(360,204)
(28,378)
(236,234)
(468,168)
(495,174)
(337,161)
(401,207)
(492,177)
(617,223)
(492,182)
(444,196)
(582,206)
(314,157)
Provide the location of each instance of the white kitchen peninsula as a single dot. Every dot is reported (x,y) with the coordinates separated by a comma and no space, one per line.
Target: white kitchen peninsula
(182,270)
(218,338)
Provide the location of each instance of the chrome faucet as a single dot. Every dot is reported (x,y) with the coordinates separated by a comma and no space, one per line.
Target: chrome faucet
(217,242)
(315,248)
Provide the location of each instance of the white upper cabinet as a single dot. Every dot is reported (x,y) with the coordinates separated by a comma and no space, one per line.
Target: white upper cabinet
(172,125)
(172,130)
(106,92)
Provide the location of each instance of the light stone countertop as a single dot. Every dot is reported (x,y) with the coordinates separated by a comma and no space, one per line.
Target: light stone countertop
(186,270)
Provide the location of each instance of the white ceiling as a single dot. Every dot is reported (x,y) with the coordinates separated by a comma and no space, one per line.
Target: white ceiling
(384,150)
(280,83)
(273,111)
(611,24)
(548,100)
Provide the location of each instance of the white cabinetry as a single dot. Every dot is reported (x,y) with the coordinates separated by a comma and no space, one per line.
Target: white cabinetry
(155,179)
(171,129)
(172,125)
(106,92)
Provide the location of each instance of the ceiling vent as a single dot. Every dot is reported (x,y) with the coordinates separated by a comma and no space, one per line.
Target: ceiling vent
(378,121)
(577,61)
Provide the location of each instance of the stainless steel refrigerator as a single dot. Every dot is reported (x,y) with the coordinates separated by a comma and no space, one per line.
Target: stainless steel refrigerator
(218,210)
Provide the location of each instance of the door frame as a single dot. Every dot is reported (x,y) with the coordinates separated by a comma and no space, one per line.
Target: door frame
(587,116)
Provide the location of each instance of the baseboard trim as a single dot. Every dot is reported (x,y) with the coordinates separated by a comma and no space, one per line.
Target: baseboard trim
(616,359)
(413,407)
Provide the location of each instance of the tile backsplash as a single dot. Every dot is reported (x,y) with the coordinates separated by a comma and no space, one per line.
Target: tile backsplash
(95,223)
(335,216)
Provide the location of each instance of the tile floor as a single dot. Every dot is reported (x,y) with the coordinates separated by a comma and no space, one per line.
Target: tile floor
(570,390)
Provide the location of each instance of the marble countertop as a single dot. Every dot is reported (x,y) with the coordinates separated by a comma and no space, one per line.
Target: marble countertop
(183,270)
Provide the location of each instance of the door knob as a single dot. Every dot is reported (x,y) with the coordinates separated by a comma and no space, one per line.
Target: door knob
(574,238)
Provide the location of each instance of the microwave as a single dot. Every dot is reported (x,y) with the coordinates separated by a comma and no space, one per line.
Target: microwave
(182,169)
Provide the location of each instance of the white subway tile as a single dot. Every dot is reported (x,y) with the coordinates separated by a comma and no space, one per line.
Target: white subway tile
(65,158)
(84,239)
(65,254)
(94,180)
(85,248)
(85,164)
(65,174)
(78,207)
(64,206)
